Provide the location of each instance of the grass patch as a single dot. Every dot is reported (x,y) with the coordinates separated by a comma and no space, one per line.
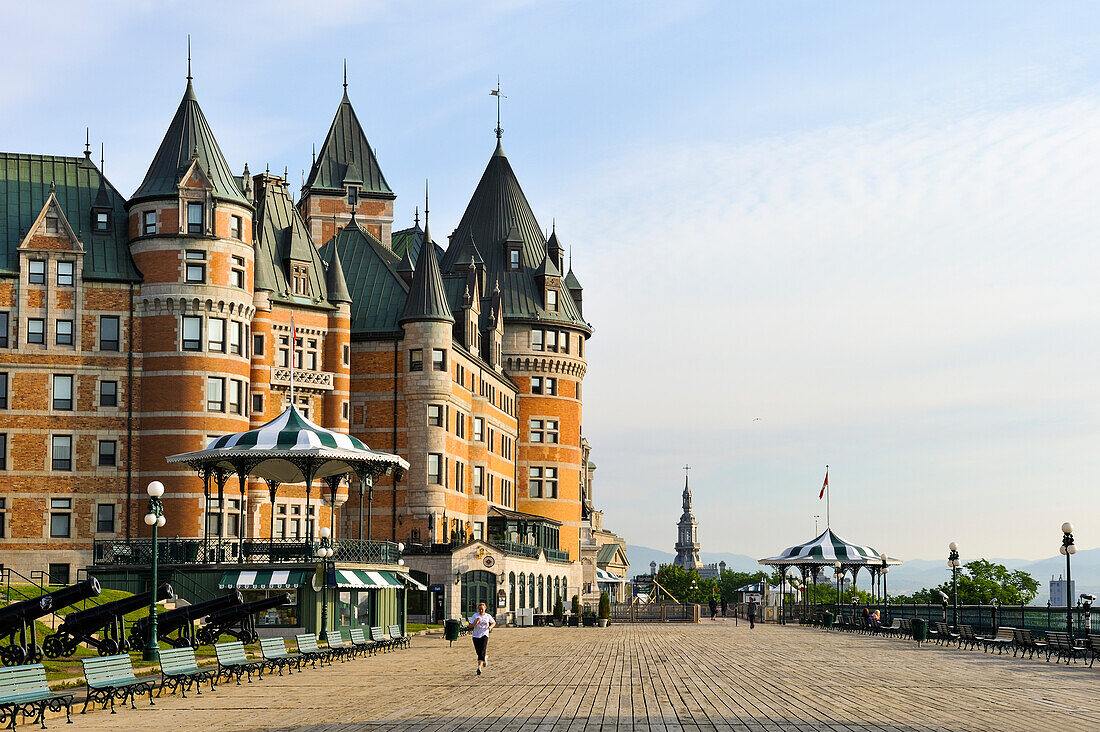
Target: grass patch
(417,627)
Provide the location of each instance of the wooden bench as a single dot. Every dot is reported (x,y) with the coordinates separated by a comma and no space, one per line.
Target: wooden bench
(1001,641)
(968,637)
(380,638)
(308,649)
(341,646)
(23,690)
(1061,645)
(360,640)
(178,669)
(233,662)
(276,657)
(1023,642)
(944,634)
(112,677)
(891,629)
(399,639)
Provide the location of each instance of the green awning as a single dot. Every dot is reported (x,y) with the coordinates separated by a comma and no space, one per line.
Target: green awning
(268,579)
(363,579)
(408,580)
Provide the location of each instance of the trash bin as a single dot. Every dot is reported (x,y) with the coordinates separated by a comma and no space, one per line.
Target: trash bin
(920,629)
(450,630)
(827,620)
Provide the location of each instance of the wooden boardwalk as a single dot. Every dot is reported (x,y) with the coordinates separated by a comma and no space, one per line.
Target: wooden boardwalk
(711,676)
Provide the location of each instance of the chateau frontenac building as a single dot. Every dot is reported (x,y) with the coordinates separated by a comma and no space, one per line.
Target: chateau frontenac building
(136,328)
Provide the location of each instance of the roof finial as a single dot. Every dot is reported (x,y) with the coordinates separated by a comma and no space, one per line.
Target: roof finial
(286,175)
(315,153)
(101,166)
(87,143)
(345,76)
(553,225)
(425,204)
(189,57)
(416,216)
(496,93)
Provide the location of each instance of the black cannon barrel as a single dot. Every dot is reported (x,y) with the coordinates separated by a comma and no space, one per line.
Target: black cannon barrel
(84,621)
(173,619)
(19,614)
(241,611)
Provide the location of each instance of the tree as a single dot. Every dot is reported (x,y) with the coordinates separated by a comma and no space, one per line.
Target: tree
(980,582)
(730,581)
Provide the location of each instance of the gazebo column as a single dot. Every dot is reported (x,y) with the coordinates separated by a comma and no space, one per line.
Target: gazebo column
(308,471)
(366,483)
(242,478)
(205,508)
(333,483)
(220,477)
(272,489)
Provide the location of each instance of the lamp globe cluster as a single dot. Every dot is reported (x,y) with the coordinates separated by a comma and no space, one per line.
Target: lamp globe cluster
(155,490)
(324,552)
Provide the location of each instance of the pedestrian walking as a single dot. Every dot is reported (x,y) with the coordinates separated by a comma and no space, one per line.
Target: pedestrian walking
(481,623)
(752,613)
(725,606)
(713,609)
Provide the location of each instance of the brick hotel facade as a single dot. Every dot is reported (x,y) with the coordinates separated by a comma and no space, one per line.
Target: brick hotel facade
(136,328)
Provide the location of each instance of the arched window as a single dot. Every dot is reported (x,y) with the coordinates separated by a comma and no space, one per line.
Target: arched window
(542,606)
(557,590)
(512,591)
(522,590)
(531,588)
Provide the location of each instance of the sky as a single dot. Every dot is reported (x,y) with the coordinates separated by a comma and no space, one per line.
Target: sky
(854,234)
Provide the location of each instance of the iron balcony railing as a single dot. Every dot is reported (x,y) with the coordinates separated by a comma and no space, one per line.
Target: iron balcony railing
(137,552)
(508,547)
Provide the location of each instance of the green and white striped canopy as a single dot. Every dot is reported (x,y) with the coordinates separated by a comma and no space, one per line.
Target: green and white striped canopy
(285,445)
(367,579)
(828,549)
(267,579)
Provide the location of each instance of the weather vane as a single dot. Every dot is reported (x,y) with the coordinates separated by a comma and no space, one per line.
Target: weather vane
(496,93)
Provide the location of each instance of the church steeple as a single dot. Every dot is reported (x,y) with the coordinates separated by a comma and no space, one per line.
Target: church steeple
(687,538)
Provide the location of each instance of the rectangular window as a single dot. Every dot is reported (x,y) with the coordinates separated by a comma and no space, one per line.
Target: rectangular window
(236,397)
(59,574)
(353,196)
(550,482)
(416,359)
(551,386)
(536,430)
(552,431)
(479,480)
(284,351)
(536,384)
(297,353)
(235,227)
(552,300)
(236,275)
(479,530)
(63,392)
(435,415)
(65,274)
(460,425)
(192,333)
(215,394)
(36,330)
(345,410)
(435,463)
(36,275)
(311,355)
(3,391)
(564,341)
(580,346)
(513,259)
(534,482)
(62,454)
(236,337)
(196,266)
(109,333)
(439,359)
(194,218)
(347,355)
(257,345)
(108,453)
(105,518)
(102,220)
(63,335)
(578,391)
(551,340)
(215,334)
(53,224)
(257,403)
(3,520)
(3,460)
(108,393)
(493,490)
(479,429)
(460,477)
(150,222)
(4,327)
(536,340)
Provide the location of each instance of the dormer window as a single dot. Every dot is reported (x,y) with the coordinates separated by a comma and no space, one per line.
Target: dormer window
(513,259)
(101,220)
(194,218)
(353,195)
(552,300)
(53,224)
(300,279)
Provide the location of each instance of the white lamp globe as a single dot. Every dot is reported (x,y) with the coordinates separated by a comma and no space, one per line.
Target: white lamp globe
(400,547)
(1062,550)
(151,519)
(161,521)
(882,556)
(325,532)
(953,546)
(1072,548)
(401,562)
(1067,528)
(155,489)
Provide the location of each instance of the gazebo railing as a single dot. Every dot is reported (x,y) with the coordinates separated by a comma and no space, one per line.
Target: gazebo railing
(138,552)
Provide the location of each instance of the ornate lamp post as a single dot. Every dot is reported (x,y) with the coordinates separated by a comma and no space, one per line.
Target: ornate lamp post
(838,572)
(154,518)
(324,551)
(1067,549)
(885,571)
(953,562)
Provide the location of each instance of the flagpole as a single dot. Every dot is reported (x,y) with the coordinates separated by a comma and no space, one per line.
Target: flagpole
(828,493)
(293,337)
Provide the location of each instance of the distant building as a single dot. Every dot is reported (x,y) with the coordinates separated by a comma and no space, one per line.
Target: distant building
(687,541)
(1058,593)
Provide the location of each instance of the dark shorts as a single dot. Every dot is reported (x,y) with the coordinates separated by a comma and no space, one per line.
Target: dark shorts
(480,645)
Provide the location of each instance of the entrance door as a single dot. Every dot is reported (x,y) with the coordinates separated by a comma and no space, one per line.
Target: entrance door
(478,586)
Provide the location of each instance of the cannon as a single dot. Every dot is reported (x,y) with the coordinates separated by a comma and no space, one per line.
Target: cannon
(239,621)
(18,618)
(181,621)
(83,625)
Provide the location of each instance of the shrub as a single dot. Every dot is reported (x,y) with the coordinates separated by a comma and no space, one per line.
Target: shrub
(605,606)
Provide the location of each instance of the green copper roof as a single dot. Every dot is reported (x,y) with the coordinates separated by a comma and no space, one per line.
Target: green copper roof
(548,268)
(427,297)
(377,292)
(280,232)
(347,158)
(337,283)
(188,135)
(24,189)
(498,212)
(571,280)
(410,241)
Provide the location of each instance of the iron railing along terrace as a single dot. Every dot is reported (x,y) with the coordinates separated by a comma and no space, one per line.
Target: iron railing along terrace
(136,552)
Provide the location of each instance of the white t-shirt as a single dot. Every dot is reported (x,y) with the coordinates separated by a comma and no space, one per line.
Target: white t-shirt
(481,622)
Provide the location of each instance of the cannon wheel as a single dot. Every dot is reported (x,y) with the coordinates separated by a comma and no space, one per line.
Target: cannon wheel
(253,637)
(71,644)
(108,647)
(34,654)
(204,637)
(12,655)
(55,646)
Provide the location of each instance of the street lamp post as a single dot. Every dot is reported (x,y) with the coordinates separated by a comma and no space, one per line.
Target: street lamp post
(838,574)
(324,551)
(885,570)
(1067,549)
(155,518)
(953,562)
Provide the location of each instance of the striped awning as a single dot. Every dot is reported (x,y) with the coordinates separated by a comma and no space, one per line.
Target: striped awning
(413,583)
(602,575)
(365,579)
(266,579)
(829,549)
(284,445)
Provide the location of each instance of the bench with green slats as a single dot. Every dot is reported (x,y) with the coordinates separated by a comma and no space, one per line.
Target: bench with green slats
(340,645)
(307,647)
(112,677)
(178,670)
(276,657)
(399,639)
(379,636)
(233,662)
(23,690)
(359,638)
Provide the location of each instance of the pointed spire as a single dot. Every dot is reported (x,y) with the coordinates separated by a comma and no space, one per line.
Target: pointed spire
(102,165)
(347,157)
(87,144)
(427,298)
(416,218)
(345,78)
(335,281)
(189,58)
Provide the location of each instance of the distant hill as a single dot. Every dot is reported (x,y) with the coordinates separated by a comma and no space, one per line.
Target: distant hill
(913,574)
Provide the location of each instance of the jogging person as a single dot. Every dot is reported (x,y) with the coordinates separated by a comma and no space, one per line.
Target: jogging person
(481,623)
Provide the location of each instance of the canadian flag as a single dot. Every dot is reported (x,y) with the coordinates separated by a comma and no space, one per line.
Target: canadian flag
(824,485)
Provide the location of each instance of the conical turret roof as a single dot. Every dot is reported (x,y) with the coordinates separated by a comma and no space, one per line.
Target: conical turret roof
(347,157)
(337,284)
(427,297)
(189,137)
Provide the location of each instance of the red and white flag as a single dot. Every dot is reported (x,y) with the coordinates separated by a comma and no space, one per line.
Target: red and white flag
(824,485)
